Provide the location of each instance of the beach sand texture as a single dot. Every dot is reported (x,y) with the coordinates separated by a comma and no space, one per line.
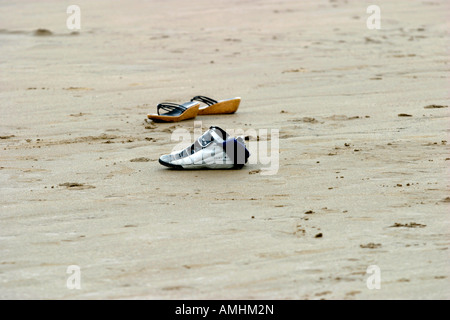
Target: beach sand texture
(363,123)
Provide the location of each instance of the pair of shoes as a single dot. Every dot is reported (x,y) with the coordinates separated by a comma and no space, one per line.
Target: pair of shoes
(189,110)
(215,149)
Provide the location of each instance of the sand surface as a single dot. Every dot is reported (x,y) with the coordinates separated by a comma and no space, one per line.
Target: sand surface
(363,165)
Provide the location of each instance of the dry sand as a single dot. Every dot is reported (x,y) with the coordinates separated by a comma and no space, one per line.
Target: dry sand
(372,183)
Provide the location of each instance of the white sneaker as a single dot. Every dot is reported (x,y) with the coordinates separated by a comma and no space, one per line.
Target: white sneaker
(215,149)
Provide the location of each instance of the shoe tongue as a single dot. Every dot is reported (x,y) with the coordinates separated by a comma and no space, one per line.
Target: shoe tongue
(217,136)
(219,133)
(205,139)
(213,134)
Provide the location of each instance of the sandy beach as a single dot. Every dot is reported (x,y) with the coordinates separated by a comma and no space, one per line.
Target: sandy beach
(362,177)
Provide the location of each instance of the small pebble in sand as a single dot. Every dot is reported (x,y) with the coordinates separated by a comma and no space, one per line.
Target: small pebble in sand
(42,32)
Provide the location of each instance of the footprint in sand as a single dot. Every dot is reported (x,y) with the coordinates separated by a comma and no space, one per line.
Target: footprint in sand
(435,106)
(294,70)
(7,137)
(78,89)
(370,245)
(79,114)
(341,117)
(141,159)
(408,225)
(305,119)
(76,186)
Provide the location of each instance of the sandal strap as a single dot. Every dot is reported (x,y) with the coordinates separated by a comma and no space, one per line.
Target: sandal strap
(168,106)
(205,100)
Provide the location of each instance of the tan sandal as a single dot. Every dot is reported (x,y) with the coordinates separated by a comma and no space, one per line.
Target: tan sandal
(175,112)
(217,107)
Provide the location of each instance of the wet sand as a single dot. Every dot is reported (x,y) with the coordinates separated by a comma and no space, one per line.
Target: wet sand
(363,123)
